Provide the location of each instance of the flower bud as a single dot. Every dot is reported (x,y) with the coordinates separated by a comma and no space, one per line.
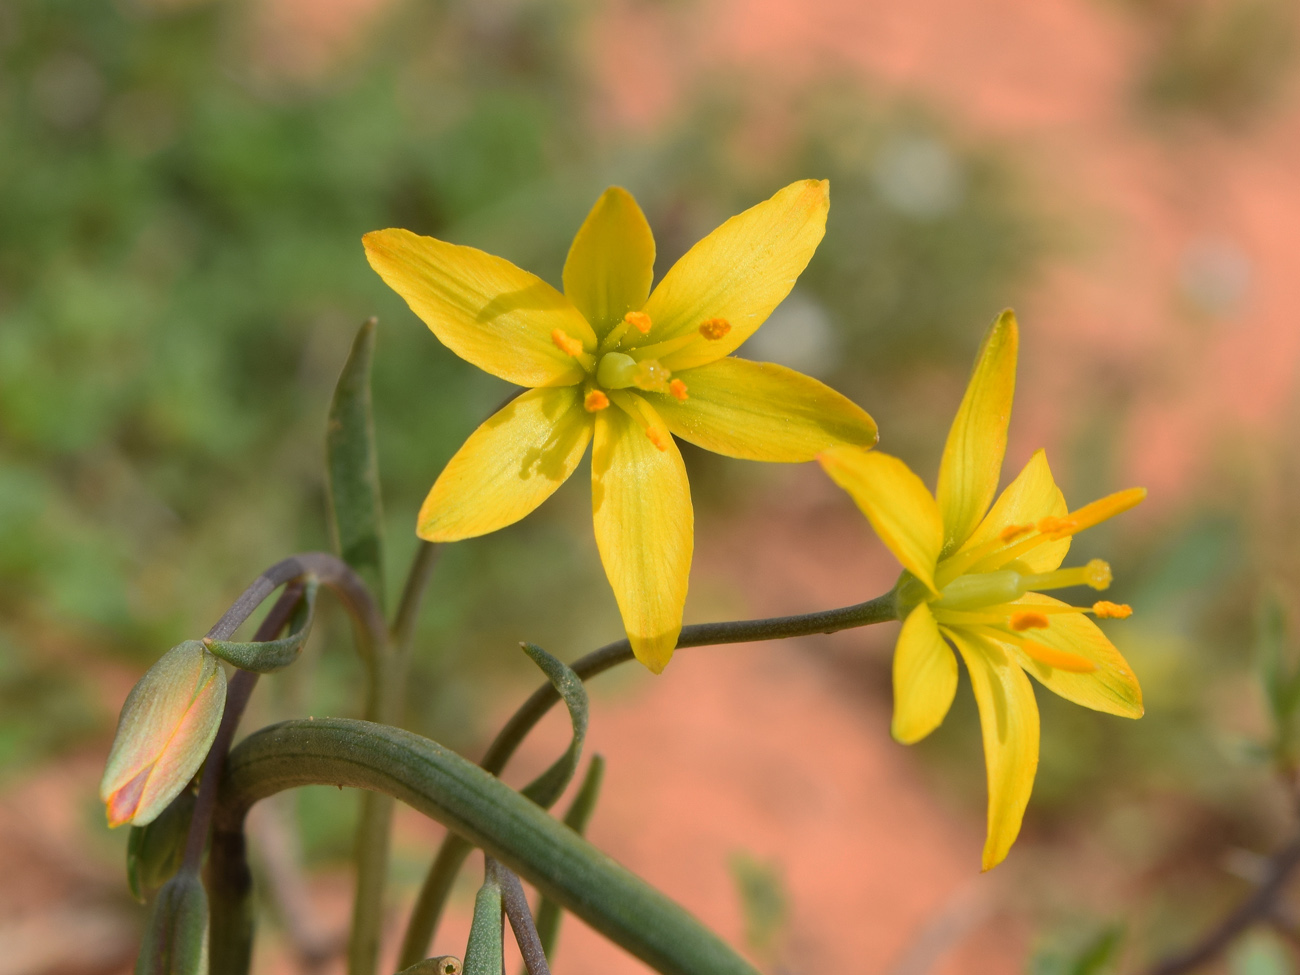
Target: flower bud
(176,937)
(164,733)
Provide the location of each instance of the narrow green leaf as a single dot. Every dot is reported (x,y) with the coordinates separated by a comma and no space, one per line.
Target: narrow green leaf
(271,655)
(550,785)
(154,852)
(483,954)
(353,466)
(763,901)
(549,912)
(1270,651)
(176,936)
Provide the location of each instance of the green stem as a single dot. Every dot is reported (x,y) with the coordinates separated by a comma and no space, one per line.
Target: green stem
(470,802)
(442,874)
(387,677)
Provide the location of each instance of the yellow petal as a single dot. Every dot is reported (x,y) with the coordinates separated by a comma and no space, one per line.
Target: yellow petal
(1031,496)
(1009,723)
(761,411)
(508,466)
(896,503)
(611,261)
(925,677)
(645,530)
(482,307)
(738,273)
(1112,687)
(972,457)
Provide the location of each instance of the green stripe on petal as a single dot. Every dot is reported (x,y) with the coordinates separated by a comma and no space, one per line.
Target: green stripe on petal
(739,273)
(483,308)
(977,441)
(508,466)
(1009,723)
(761,411)
(645,530)
(611,261)
(895,501)
(925,677)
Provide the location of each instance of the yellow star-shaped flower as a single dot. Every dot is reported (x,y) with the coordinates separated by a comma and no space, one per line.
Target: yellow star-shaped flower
(612,361)
(970,582)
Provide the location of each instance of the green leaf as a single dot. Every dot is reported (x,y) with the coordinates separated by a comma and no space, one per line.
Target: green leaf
(483,954)
(549,912)
(550,785)
(1270,650)
(353,466)
(271,655)
(176,935)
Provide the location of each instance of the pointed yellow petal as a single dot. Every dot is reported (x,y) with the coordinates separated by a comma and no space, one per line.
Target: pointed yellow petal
(925,677)
(483,308)
(611,261)
(896,503)
(1033,495)
(761,411)
(645,530)
(1009,722)
(1112,687)
(738,273)
(508,466)
(972,457)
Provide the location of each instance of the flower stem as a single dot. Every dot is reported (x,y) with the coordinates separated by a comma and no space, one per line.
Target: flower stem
(453,851)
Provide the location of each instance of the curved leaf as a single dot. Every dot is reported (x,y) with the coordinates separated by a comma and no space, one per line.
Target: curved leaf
(264,657)
(550,785)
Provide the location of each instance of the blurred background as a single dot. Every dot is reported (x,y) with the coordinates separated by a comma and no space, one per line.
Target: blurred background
(183,186)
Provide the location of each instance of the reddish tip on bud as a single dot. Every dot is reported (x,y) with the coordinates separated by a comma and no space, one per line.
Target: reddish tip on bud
(164,733)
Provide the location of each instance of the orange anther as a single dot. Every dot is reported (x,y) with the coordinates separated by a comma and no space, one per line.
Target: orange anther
(565,342)
(1060,659)
(639,320)
(1028,619)
(715,328)
(1057,526)
(595,401)
(1112,611)
(678,389)
(656,438)
(1012,532)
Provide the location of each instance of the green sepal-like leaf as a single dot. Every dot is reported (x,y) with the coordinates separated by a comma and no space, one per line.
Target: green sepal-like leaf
(176,937)
(352,462)
(483,954)
(272,655)
(154,852)
(550,785)
(549,912)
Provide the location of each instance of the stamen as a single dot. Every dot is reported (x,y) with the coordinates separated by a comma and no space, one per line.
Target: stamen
(1107,507)
(1057,528)
(1060,659)
(715,328)
(644,415)
(639,320)
(1096,574)
(1028,619)
(1012,532)
(595,401)
(678,390)
(566,343)
(1112,611)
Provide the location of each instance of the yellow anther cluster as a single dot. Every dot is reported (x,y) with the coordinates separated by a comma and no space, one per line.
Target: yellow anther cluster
(639,320)
(715,328)
(1112,611)
(1098,574)
(1028,619)
(565,342)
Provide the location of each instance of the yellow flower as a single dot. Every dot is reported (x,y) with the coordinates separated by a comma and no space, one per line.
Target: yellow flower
(612,361)
(970,581)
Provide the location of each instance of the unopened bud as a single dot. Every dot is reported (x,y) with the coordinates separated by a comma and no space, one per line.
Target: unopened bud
(164,733)
(176,937)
